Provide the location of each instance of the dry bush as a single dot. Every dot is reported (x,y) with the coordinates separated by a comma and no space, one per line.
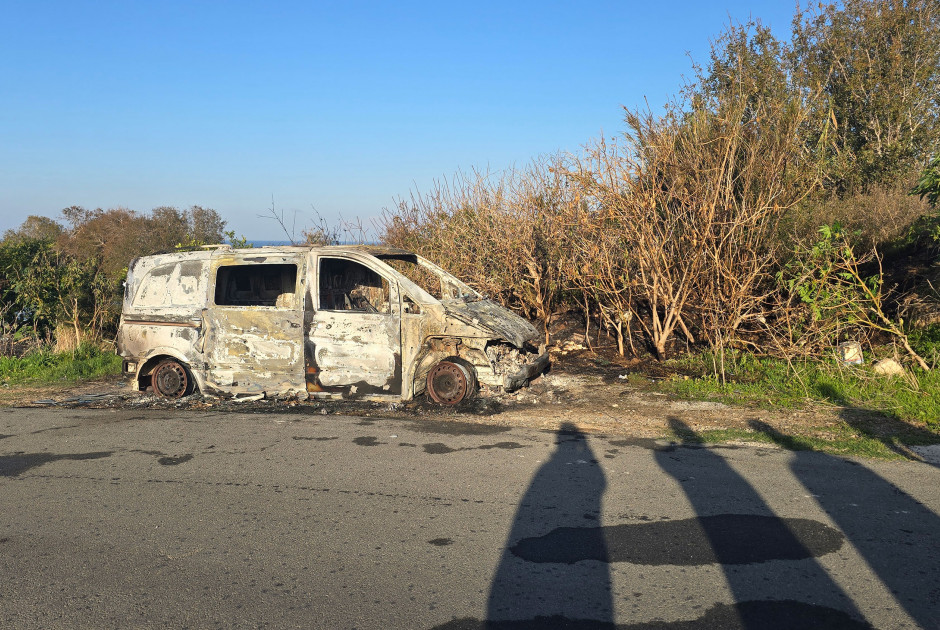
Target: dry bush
(505,236)
(599,274)
(671,231)
(874,218)
(321,234)
(686,210)
(319,231)
(541,204)
(66,338)
(460,225)
(8,328)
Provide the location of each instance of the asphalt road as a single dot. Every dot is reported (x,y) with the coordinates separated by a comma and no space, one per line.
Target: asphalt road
(162,519)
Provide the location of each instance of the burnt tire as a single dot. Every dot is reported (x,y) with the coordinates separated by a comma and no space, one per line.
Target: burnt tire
(451,381)
(171,379)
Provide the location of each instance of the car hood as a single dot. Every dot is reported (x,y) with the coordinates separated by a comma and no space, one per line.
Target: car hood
(493,318)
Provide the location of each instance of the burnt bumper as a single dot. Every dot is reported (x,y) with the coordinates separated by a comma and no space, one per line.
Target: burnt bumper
(526,373)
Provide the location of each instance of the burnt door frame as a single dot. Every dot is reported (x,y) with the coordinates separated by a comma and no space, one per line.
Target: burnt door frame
(351,352)
(252,348)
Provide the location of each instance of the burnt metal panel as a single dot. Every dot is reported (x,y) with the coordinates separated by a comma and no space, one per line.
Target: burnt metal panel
(253,349)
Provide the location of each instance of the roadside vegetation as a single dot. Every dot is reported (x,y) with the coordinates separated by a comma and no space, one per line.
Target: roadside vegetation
(783,203)
(44,365)
(61,285)
(766,381)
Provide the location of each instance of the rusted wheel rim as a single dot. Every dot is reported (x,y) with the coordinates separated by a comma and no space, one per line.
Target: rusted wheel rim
(448,383)
(170,380)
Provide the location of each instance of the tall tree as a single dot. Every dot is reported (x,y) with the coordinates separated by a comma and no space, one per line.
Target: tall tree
(35,227)
(877,65)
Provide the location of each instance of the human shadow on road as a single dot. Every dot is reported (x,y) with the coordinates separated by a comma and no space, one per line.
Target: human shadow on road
(898,537)
(554,570)
(564,496)
(746,535)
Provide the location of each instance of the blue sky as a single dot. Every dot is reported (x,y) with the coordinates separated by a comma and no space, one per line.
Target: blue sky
(338,107)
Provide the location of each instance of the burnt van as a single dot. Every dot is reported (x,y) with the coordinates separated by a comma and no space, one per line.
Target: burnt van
(359,322)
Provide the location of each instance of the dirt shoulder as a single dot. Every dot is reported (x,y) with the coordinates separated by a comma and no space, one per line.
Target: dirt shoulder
(605,396)
(593,388)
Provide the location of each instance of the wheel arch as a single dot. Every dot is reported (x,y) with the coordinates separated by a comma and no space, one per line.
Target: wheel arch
(454,348)
(154,357)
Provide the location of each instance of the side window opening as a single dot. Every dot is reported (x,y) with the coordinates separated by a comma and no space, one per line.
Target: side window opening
(254,285)
(346,285)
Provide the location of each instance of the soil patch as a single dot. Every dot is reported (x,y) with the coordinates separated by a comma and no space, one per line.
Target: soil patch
(598,392)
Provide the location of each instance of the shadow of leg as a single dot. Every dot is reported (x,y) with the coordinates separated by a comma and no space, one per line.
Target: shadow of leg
(897,536)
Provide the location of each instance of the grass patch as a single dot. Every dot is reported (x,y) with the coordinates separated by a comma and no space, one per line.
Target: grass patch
(749,381)
(878,416)
(772,383)
(45,366)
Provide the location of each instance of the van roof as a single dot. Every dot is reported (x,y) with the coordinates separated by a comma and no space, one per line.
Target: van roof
(215,251)
(374,250)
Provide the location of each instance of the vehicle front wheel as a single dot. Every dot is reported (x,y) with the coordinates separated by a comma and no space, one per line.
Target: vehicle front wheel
(451,381)
(171,379)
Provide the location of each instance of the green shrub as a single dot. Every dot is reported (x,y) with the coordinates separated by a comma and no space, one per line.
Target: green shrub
(926,342)
(85,362)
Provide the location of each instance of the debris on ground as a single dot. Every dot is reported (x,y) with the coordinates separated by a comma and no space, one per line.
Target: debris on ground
(887,367)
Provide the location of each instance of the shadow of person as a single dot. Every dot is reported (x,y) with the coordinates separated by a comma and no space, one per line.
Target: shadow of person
(549,589)
(746,536)
(898,537)
(554,570)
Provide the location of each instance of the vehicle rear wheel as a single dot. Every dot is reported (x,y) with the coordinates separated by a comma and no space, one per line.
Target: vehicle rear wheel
(451,381)
(171,379)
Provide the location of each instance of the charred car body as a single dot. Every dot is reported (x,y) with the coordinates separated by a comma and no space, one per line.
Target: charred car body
(366,322)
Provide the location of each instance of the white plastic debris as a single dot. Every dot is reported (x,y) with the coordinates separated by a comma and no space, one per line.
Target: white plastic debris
(850,353)
(888,367)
